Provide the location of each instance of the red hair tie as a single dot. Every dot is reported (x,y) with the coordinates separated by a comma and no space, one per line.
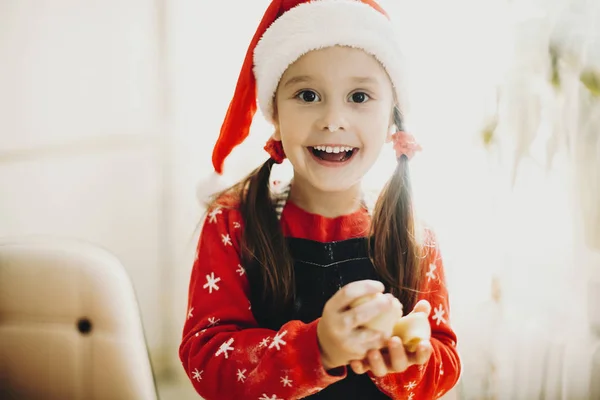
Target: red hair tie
(405,144)
(275,150)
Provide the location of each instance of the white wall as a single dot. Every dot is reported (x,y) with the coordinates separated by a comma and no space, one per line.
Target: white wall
(81,133)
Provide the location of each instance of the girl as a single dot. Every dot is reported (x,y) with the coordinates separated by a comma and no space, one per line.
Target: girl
(276,270)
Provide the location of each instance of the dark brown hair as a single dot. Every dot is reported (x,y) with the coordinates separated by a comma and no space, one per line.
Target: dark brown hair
(395,249)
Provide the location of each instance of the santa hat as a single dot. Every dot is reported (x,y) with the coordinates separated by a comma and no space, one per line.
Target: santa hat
(289,29)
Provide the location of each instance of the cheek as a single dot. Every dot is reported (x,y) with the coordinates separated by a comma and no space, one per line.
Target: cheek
(293,142)
(373,151)
(291,138)
(375,136)
(374,143)
(293,129)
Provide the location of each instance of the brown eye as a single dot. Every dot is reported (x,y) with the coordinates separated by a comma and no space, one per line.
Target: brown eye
(359,97)
(308,96)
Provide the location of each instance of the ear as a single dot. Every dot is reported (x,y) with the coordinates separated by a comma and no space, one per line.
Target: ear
(391,128)
(277,134)
(388,137)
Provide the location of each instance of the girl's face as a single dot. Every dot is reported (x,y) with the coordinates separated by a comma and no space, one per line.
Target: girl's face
(334,111)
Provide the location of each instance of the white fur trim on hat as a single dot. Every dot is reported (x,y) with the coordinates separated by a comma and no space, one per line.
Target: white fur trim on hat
(319,24)
(210,185)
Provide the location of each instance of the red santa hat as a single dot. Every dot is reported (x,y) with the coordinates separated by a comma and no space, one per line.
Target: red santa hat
(289,29)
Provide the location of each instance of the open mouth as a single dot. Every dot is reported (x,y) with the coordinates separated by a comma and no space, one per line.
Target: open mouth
(333,153)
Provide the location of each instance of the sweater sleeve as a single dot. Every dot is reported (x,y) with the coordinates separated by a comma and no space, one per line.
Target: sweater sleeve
(223,350)
(441,373)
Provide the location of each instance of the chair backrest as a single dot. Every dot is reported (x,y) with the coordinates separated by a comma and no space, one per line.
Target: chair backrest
(70,326)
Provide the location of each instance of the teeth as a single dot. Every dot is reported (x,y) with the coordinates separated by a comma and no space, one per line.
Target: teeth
(336,149)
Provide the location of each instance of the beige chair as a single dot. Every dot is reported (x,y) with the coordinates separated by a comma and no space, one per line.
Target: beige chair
(70,327)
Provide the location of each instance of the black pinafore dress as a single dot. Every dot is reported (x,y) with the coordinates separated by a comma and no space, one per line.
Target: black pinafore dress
(321,269)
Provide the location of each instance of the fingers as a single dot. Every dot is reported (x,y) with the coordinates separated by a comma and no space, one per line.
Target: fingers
(377,363)
(352,291)
(376,343)
(398,307)
(363,313)
(341,333)
(395,360)
(398,358)
(423,353)
(358,367)
(362,340)
(423,306)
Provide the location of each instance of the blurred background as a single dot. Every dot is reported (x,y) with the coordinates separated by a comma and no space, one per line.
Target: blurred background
(109,111)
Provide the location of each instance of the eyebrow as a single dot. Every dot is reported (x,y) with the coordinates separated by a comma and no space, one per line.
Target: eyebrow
(305,78)
(363,79)
(297,79)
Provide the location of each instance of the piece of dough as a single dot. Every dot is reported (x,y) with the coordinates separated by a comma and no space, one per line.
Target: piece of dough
(412,329)
(384,322)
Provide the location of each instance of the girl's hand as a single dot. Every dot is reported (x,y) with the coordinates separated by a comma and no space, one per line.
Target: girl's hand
(395,358)
(340,333)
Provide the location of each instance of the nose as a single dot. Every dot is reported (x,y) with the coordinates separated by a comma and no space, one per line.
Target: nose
(333,117)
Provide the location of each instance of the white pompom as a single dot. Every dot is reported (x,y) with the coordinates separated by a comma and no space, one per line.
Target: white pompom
(213,183)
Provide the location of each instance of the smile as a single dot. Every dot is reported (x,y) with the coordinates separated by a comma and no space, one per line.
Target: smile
(333,154)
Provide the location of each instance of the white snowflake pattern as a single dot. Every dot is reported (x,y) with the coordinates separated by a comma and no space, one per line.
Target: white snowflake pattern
(431,275)
(225,347)
(411,385)
(264,342)
(277,342)
(439,315)
(241,375)
(241,270)
(410,396)
(212,217)
(236,225)
(272,397)
(285,381)
(421,367)
(197,375)
(226,240)
(441,368)
(190,313)
(212,321)
(211,282)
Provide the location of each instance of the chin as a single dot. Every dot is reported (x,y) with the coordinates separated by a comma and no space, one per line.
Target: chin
(333,184)
(328,179)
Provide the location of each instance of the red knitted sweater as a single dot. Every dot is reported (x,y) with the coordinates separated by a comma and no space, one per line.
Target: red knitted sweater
(228,356)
